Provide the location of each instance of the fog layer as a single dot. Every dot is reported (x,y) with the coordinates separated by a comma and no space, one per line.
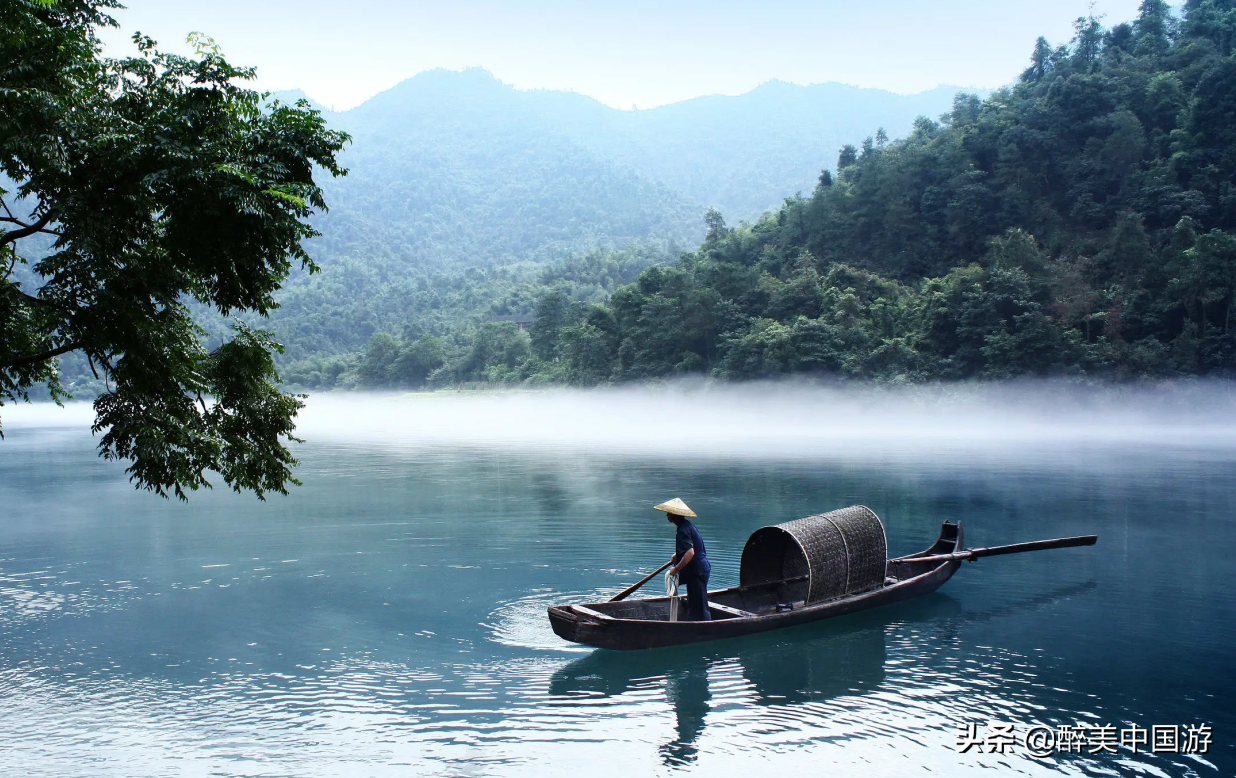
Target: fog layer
(767,420)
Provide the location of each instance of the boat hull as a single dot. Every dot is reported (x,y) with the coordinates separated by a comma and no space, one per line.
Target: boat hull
(590,625)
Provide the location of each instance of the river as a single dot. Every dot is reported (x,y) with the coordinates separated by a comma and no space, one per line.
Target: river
(388,617)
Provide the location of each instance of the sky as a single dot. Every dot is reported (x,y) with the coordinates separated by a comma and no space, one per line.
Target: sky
(627,54)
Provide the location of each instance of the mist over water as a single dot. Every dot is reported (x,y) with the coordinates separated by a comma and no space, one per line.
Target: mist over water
(794,421)
(388,616)
(1043,421)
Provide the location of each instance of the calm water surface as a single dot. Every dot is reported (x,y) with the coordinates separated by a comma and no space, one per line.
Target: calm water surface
(388,618)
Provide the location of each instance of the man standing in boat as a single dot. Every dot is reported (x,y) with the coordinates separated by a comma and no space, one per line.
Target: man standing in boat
(690,560)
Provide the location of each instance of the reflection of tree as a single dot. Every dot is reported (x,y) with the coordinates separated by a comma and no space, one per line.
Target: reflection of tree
(687,691)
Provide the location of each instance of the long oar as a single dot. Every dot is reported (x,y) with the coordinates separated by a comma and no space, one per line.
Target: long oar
(1016,548)
(645,580)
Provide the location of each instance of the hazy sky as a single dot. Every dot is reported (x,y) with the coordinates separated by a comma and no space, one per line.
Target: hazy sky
(633,52)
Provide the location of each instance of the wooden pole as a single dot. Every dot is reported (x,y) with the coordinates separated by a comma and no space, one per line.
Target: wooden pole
(646,579)
(1016,548)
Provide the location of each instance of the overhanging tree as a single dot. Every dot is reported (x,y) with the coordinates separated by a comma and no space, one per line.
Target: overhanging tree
(157,180)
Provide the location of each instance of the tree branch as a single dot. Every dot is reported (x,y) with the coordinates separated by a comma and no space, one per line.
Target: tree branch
(34,300)
(34,359)
(35,227)
(24,232)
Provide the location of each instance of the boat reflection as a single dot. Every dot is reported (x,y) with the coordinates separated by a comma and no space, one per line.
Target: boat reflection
(825,667)
(811,663)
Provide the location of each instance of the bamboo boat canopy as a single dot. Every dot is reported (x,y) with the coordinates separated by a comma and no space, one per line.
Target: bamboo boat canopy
(819,558)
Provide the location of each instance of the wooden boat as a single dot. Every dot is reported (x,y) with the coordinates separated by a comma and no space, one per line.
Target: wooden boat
(801,571)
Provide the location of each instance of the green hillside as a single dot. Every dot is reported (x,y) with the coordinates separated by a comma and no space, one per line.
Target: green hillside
(1079,221)
(458,181)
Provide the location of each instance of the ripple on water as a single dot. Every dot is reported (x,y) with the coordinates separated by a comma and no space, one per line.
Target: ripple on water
(523,623)
(815,694)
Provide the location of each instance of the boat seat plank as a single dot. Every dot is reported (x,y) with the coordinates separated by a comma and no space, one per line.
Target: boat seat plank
(727,609)
(589,612)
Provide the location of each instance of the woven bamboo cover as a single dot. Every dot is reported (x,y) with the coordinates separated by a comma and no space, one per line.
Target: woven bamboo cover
(837,553)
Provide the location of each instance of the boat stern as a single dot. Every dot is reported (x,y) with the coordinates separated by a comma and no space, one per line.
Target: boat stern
(564,622)
(570,624)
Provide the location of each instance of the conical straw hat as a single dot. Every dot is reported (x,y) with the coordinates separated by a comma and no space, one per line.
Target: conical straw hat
(676,507)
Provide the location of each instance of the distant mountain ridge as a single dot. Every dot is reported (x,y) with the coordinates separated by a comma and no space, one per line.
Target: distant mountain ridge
(456,172)
(745,154)
(742,154)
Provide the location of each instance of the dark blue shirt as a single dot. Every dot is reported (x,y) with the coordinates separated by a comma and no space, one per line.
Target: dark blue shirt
(688,538)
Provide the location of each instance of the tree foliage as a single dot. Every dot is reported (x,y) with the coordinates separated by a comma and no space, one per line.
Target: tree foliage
(158,181)
(454,322)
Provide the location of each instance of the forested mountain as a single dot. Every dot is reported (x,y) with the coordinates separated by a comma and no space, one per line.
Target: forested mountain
(453,182)
(742,155)
(455,169)
(1081,220)
(458,181)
